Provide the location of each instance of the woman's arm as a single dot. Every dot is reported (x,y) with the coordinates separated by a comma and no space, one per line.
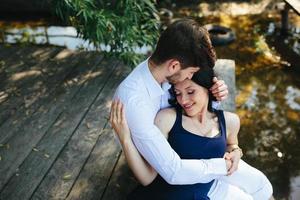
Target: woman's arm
(140,167)
(142,170)
(232,128)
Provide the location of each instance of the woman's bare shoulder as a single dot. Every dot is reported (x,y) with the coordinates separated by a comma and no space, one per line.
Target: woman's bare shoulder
(165,120)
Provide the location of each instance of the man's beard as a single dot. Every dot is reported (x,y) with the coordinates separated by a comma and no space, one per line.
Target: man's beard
(174,78)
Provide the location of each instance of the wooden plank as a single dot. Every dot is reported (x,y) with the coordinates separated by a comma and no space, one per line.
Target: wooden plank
(23,70)
(294,4)
(34,128)
(36,165)
(12,58)
(6,51)
(48,90)
(23,59)
(225,70)
(121,183)
(94,177)
(62,175)
(27,90)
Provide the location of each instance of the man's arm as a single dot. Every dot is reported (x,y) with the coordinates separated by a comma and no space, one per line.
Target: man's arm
(154,147)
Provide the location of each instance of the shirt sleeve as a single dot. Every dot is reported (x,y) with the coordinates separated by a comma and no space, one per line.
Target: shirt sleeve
(154,147)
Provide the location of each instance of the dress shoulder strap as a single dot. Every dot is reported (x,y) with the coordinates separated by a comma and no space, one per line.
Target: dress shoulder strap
(178,122)
(222,123)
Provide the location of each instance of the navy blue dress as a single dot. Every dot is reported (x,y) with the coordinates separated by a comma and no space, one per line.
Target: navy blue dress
(188,146)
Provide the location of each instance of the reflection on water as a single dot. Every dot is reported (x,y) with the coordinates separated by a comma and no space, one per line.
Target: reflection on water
(268,95)
(270,124)
(268,101)
(52,35)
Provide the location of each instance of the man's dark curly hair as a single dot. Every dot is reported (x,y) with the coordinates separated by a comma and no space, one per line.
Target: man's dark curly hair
(186,41)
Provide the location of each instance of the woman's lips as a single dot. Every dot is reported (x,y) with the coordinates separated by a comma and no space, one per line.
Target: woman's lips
(188,106)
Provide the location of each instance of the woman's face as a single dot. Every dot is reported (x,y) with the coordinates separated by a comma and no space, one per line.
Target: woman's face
(192,97)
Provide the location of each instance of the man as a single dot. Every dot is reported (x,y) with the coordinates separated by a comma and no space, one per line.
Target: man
(180,52)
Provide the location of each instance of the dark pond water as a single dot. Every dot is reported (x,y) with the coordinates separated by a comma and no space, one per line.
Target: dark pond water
(268,89)
(268,98)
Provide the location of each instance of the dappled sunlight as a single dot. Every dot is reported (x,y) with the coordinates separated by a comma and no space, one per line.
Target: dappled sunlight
(3,96)
(230,8)
(82,78)
(293,115)
(90,75)
(292,97)
(27,74)
(64,54)
(108,104)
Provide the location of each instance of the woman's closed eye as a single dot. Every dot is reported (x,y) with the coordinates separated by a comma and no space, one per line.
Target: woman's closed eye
(191,92)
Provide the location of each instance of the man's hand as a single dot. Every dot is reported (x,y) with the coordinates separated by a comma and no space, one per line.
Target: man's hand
(219,89)
(118,121)
(234,157)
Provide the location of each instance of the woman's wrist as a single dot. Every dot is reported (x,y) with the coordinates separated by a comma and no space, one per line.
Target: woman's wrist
(234,147)
(125,141)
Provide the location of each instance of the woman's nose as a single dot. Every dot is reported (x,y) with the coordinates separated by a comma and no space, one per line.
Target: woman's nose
(184,99)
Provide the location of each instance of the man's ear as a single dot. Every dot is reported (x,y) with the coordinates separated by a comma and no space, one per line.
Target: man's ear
(173,65)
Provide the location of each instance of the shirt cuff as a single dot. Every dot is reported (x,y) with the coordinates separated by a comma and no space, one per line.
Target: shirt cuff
(216,104)
(218,166)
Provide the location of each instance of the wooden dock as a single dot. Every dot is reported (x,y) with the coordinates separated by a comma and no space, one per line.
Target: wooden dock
(55,139)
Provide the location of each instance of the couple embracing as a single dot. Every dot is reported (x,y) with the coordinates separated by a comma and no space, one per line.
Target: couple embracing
(175,140)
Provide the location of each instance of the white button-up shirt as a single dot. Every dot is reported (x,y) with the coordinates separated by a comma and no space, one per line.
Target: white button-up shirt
(143,97)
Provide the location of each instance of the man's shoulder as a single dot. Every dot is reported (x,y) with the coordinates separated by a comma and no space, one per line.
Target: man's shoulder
(132,86)
(134,78)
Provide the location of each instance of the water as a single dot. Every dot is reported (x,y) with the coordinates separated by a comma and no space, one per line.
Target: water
(268,99)
(66,36)
(268,90)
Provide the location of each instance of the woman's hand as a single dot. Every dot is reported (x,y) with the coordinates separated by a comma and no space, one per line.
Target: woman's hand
(118,121)
(219,89)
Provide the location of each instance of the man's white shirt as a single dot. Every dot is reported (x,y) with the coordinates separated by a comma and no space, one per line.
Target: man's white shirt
(143,97)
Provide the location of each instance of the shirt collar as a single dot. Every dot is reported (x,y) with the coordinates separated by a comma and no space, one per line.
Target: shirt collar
(153,87)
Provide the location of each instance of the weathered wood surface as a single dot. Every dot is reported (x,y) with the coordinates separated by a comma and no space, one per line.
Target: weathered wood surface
(294,4)
(61,146)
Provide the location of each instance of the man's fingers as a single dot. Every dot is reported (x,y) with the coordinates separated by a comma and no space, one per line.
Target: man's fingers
(215,79)
(217,85)
(219,89)
(222,95)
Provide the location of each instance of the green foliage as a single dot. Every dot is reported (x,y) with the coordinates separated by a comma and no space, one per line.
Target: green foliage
(123,25)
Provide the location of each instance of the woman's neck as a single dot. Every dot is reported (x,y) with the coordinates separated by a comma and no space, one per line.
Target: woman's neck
(203,116)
